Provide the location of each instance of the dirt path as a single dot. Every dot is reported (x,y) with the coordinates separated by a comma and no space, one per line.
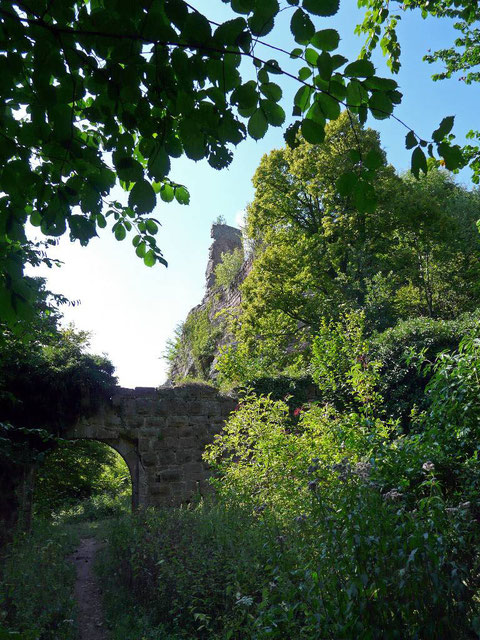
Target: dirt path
(87,592)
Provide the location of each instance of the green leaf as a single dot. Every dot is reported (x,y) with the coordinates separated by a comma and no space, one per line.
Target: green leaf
(81,229)
(381,84)
(360,69)
(159,164)
(302,98)
(380,105)
(325,65)
(167,192)
(271,91)
(327,39)
(312,131)
(452,155)
(419,162)
(119,231)
(373,160)
(356,94)
(228,32)
(302,27)
(354,155)
(35,219)
(346,183)
(128,169)
(151,226)
(337,90)
(290,135)
(181,195)
(444,129)
(274,113)
(338,61)
(142,197)
(328,106)
(243,6)
(304,73)
(246,95)
(149,258)
(365,197)
(322,7)
(141,249)
(410,140)
(257,125)
(262,21)
(311,57)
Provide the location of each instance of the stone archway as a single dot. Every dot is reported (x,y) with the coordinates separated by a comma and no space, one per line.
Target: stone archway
(161,434)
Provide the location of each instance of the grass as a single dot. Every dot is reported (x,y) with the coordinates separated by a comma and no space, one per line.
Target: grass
(37,583)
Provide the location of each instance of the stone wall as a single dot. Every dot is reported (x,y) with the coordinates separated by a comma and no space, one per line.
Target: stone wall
(161,434)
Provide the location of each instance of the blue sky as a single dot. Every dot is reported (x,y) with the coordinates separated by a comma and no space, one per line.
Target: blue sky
(132,310)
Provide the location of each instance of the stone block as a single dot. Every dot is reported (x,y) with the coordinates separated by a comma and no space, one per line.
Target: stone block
(166,457)
(177,421)
(186,455)
(149,459)
(171,476)
(145,406)
(160,490)
(144,445)
(196,409)
(187,443)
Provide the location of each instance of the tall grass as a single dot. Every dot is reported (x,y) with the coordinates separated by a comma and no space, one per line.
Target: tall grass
(36,585)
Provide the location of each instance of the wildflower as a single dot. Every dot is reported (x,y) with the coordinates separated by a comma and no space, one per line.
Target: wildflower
(244,601)
(393,495)
(362,470)
(428,466)
(297,412)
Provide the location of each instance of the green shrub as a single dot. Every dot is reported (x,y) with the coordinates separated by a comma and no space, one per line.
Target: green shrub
(402,382)
(228,268)
(195,343)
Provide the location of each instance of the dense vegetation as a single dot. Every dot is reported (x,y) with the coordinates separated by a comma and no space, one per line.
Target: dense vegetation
(347,479)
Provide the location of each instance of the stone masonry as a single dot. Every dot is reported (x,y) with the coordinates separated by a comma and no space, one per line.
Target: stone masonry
(161,434)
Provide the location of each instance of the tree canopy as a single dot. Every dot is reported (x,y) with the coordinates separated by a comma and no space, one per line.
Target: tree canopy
(96,92)
(319,255)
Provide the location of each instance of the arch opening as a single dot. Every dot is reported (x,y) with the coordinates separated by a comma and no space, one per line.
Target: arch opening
(83,479)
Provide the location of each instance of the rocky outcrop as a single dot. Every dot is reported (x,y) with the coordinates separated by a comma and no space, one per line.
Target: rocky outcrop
(225,240)
(204,330)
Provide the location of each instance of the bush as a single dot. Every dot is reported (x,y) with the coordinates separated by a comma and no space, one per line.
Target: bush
(228,268)
(194,345)
(402,378)
(328,528)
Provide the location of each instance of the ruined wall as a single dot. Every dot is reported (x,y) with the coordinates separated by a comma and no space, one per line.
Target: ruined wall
(161,434)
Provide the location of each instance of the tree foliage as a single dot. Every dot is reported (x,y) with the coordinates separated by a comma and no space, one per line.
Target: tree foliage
(318,254)
(103,91)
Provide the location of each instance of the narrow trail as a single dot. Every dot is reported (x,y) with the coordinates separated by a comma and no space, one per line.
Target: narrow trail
(87,593)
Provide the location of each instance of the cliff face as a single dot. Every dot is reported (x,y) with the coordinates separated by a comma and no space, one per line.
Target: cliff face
(204,330)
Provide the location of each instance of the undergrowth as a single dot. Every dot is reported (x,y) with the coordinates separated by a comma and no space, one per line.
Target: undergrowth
(36,585)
